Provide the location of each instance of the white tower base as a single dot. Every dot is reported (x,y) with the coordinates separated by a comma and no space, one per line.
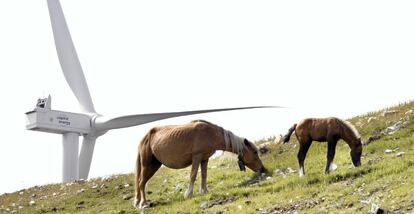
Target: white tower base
(70,156)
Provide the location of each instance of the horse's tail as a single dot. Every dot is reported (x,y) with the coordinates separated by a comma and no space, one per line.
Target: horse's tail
(286,138)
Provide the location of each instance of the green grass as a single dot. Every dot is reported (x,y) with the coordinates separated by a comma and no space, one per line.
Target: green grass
(383,179)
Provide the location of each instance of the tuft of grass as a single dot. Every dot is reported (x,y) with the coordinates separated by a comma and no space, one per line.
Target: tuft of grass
(384,179)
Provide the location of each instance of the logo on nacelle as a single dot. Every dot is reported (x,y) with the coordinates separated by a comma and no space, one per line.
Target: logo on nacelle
(63,120)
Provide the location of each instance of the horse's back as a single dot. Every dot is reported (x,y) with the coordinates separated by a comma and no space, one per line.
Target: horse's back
(318,129)
(174,145)
(184,132)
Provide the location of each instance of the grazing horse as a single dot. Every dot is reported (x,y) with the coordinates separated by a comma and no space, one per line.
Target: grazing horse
(179,146)
(329,130)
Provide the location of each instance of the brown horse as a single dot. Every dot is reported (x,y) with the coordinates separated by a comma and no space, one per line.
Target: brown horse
(179,146)
(329,130)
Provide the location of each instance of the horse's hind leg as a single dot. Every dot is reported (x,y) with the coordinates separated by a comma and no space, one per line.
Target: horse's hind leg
(330,166)
(203,186)
(149,165)
(303,150)
(194,168)
(137,197)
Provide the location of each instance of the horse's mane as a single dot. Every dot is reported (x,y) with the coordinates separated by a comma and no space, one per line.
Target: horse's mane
(351,127)
(231,140)
(235,142)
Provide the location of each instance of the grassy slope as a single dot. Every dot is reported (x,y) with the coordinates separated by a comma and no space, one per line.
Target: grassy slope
(382,179)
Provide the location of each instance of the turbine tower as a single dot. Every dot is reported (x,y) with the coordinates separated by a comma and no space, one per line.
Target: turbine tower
(88,124)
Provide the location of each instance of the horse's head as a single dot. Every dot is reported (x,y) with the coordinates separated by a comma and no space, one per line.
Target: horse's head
(356,152)
(250,158)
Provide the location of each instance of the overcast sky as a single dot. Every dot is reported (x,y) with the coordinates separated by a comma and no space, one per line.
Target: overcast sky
(318,58)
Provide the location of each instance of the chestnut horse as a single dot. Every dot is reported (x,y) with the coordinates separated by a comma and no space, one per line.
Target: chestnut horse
(179,146)
(329,130)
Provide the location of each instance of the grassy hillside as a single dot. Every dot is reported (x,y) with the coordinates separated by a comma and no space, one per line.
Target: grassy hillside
(385,179)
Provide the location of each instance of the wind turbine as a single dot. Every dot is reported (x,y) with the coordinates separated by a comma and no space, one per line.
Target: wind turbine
(88,124)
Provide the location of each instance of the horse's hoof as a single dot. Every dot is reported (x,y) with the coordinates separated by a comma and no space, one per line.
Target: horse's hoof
(188,194)
(203,191)
(135,203)
(143,205)
(301,173)
(332,167)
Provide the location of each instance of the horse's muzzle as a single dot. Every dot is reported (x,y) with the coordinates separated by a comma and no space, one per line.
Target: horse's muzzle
(263,170)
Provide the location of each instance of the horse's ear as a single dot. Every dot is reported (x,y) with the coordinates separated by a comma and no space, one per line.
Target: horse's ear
(248,144)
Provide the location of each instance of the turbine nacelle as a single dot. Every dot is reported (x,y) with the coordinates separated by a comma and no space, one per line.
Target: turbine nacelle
(44,119)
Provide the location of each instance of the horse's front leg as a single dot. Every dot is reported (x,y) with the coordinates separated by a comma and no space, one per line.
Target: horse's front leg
(330,166)
(203,186)
(194,168)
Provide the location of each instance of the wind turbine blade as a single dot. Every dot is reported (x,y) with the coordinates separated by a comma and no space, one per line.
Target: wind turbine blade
(70,157)
(85,157)
(68,58)
(103,124)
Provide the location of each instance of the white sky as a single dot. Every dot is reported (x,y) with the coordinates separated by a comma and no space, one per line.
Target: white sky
(319,58)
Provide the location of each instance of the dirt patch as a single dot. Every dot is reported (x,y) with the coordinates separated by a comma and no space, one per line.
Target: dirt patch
(220,201)
(372,161)
(292,208)
(254,179)
(391,128)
